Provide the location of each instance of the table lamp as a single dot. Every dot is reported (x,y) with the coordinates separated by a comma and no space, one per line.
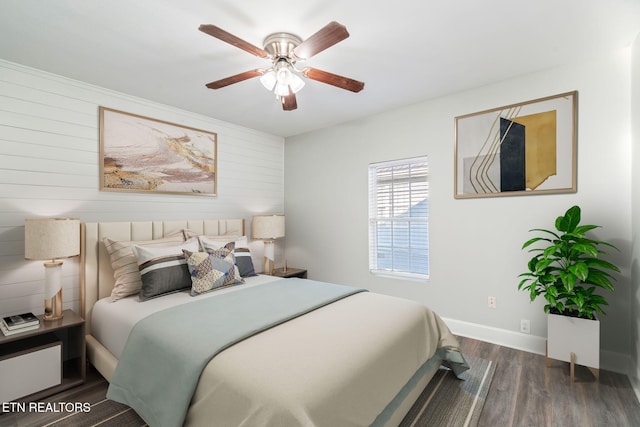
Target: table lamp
(52,239)
(268,228)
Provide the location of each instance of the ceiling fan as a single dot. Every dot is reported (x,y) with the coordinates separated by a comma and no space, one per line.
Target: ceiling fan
(284,50)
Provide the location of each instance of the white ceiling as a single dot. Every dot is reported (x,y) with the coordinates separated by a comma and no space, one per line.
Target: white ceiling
(405,51)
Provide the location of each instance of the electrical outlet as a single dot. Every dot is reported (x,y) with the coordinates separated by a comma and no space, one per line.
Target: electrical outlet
(491,302)
(525,326)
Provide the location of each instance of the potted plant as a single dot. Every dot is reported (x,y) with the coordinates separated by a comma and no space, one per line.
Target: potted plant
(566,271)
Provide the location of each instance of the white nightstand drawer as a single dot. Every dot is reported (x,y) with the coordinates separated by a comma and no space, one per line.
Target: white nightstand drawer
(27,371)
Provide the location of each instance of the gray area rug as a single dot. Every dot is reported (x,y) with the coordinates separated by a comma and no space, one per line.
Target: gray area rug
(446,401)
(451,402)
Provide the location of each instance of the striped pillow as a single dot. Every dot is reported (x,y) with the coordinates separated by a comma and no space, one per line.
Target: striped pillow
(244,262)
(125,266)
(163,269)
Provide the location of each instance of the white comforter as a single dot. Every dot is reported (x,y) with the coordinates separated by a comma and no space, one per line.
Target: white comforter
(339,365)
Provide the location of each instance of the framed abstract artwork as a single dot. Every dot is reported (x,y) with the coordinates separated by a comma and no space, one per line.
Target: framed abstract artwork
(139,154)
(518,149)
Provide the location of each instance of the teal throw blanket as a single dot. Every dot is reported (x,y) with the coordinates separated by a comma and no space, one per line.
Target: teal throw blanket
(167,351)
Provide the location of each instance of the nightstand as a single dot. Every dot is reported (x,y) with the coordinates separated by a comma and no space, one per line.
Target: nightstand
(43,361)
(290,272)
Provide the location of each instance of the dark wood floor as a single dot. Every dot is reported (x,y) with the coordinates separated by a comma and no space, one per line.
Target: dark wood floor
(524,392)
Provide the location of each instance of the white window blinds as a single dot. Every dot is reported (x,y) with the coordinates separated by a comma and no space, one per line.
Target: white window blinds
(398,218)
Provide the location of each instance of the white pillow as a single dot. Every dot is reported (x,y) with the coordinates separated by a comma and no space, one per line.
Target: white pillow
(218,242)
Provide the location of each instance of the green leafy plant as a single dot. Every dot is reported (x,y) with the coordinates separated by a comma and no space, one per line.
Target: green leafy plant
(566,269)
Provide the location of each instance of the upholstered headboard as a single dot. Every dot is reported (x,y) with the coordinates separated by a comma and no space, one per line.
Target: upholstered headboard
(96,275)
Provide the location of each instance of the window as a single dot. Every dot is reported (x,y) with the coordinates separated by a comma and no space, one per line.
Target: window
(398,218)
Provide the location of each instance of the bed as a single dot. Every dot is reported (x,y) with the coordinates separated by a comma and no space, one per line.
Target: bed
(352,358)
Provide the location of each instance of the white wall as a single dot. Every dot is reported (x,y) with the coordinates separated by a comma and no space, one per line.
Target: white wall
(475,243)
(635,222)
(49,154)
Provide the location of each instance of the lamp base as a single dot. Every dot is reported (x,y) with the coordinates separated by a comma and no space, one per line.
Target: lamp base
(269,256)
(269,266)
(53,307)
(53,291)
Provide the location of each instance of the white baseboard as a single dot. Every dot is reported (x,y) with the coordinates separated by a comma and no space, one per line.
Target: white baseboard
(609,360)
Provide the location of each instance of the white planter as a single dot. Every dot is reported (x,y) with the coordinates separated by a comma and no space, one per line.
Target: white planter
(574,340)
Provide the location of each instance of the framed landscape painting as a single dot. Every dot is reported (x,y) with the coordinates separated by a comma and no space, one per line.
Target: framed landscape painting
(140,154)
(518,149)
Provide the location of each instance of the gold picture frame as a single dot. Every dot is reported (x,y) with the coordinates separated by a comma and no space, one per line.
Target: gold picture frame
(140,154)
(519,149)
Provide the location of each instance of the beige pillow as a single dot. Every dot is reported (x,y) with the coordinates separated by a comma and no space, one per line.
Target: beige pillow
(125,265)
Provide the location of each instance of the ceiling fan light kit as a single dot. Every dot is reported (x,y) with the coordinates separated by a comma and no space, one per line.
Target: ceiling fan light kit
(284,50)
(282,78)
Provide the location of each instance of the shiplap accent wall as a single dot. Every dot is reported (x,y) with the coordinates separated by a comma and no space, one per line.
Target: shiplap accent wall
(49,154)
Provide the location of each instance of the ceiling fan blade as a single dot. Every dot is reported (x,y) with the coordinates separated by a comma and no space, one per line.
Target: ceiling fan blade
(326,37)
(227,37)
(235,79)
(289,102)
(333,79)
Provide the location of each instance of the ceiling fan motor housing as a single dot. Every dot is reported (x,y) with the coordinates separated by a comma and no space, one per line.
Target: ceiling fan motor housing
(281,45)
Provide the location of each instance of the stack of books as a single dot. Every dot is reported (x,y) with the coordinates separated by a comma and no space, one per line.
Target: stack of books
(19,323)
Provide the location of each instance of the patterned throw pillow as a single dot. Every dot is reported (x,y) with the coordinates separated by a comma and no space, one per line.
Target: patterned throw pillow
(224,252)
(125,266)
(227,254)
(209,272)
(242,255)
(163,270)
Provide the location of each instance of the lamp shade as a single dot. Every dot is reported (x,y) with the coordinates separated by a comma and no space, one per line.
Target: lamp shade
(51,238)
(267,227)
